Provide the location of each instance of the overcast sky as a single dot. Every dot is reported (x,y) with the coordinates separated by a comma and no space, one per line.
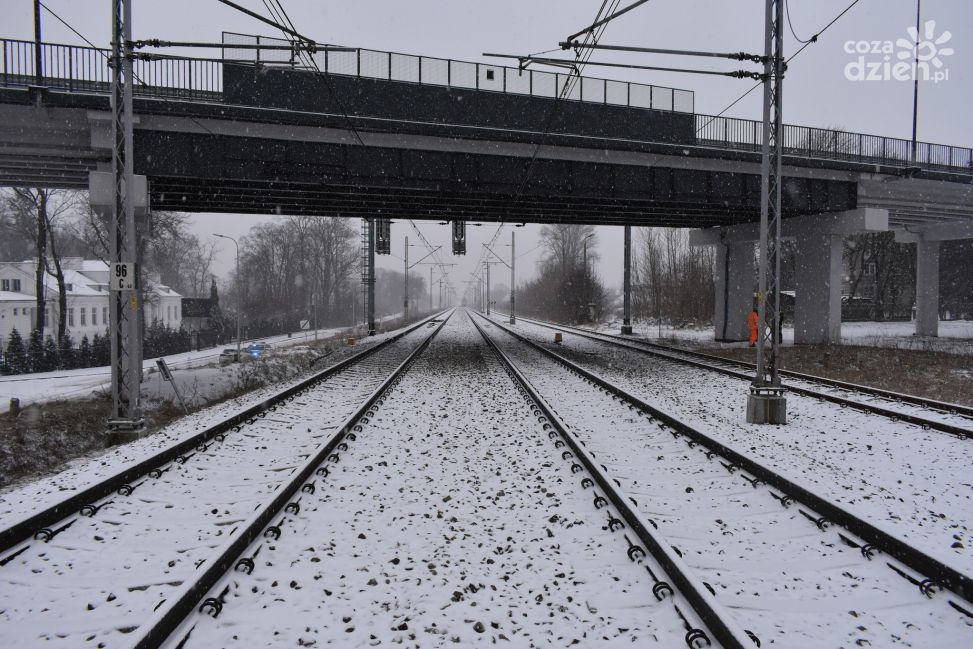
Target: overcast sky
(816,91)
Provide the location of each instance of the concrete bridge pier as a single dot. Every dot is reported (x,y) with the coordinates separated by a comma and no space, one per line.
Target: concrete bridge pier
(927,288)
(817,288)
(927,239)
(817,310)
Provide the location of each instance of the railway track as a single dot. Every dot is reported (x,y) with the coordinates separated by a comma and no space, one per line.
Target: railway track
(487,490)
(791,566)
(955,419)
(509,538)
(105,554)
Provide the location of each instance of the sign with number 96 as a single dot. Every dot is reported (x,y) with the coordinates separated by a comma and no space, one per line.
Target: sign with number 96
(122,276)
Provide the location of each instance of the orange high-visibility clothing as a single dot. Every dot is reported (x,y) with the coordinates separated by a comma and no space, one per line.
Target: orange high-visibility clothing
(753,322)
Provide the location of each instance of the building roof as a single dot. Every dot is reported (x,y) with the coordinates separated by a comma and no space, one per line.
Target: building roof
(82,283)
(10,296)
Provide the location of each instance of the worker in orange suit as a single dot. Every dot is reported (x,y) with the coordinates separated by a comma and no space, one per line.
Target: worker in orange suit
(753,321)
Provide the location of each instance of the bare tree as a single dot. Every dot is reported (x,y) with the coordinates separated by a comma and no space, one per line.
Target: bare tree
(564,244)
(39,211)
(675,280)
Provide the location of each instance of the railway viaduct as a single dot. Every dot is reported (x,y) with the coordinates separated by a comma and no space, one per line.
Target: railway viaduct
(379,134)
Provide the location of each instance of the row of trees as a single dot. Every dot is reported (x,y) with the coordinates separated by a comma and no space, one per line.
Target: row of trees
(42,354)
(303,266)
(671,280)
(294,269)
(566,287)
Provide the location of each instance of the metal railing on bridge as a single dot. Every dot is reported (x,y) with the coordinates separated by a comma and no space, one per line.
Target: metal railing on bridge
(86,69)
(77,68)
(430,70)
(832,144)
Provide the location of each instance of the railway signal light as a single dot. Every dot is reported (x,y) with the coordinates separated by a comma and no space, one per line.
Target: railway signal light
(383,236)
(459,237)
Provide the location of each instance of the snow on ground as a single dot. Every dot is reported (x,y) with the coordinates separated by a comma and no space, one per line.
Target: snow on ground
(106,574)
(783,578)
(81,383)
(84,471)
(915,483)
(955,336)
(451,520)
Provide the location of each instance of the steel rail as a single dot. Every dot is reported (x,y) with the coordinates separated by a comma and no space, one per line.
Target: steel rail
(671,353)
(169,617)
(717,619)
(936,571)
(32,524)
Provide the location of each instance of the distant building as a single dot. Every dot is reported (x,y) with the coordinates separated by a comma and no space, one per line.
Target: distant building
(203,319)
(86,285)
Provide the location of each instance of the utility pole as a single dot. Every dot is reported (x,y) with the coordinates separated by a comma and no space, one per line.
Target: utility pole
(240,285)
(488,288)
(511,265)
(627,284)
(370,307)
(430,289)
(915,83)
(513,276)
(405,290)
(38,52)
(126,302)
(766,403)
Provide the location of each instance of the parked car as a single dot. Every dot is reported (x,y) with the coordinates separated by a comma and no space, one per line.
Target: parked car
(228,356)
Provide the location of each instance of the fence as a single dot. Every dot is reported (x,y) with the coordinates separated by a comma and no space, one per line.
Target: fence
(830,144)
(392,66)
(87,69)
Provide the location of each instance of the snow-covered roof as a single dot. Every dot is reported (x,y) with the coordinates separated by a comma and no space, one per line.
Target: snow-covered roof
(93,265)
(80,283)
(10,296)
(79,277)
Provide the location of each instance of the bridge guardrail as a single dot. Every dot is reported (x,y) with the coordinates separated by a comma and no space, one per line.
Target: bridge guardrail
(832,144)
(429,70)
(86,69)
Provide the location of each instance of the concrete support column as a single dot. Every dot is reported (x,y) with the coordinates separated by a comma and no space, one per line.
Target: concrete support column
(927,288)
(817,311)
(627,284)
(735,286)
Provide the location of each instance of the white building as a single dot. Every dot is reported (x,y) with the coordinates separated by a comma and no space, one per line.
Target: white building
(86,285)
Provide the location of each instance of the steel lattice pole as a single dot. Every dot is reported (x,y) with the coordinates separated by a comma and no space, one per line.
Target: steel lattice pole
(766,396)
(126,339)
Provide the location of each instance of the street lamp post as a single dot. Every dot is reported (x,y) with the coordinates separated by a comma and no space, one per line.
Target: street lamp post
(239,312)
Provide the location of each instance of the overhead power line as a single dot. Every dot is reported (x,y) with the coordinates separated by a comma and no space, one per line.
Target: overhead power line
(270,22)
(76,32)
(592,34)
(813,39)
(605,21)
(787,10)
